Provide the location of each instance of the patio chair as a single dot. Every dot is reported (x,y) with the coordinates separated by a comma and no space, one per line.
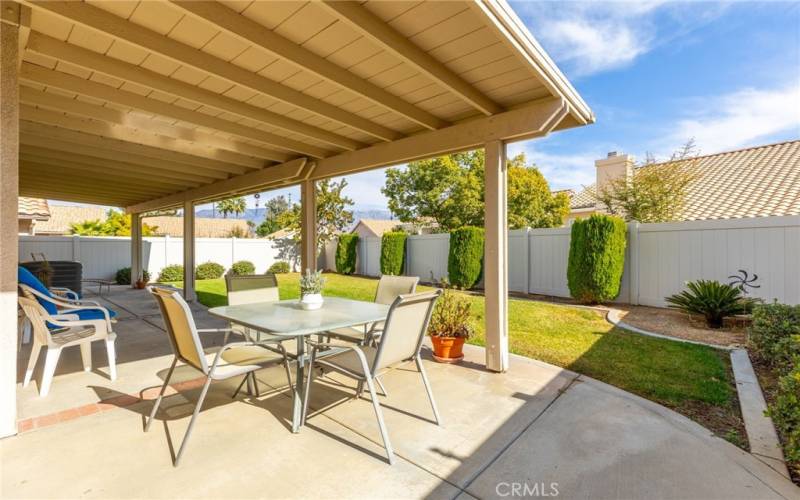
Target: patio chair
(389,288)
(71,331)
(231,360)
(250,289)
(59,301)
(400,342)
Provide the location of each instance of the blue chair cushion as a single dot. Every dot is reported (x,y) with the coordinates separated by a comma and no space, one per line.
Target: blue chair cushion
(90,313)
(27,278)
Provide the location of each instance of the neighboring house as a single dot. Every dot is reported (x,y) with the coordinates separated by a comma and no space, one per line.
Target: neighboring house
(62,217)
(759,181)
(31,212)
(373,228)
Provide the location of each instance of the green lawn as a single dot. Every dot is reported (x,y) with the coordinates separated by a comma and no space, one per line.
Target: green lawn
(672,373)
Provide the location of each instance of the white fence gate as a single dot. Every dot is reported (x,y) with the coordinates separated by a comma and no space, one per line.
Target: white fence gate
(103,256)
(659,258)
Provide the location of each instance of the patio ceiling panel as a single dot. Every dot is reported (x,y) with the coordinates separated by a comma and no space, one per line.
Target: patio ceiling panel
(197,94)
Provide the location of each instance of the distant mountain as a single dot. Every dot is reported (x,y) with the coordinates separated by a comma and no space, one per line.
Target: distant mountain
(256,215)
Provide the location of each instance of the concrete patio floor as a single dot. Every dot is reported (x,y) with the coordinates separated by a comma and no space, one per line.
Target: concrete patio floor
(536,429)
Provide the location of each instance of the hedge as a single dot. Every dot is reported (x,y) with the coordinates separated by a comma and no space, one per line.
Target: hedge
(774,338)
(596,258)
(279,267)
(465,261)
(123,276)
(209,271)
(242,268)
(170,273)
(393,252)
(346,251)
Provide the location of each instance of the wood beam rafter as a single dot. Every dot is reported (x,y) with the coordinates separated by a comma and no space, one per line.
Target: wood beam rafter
(286,173)
(121,29)
(89,59)
(102,165)
(56,102)
(250,31)
(43,141)
(385,36)
(141,137)
(154,153)
(64,81)
(65,195)
(110,182)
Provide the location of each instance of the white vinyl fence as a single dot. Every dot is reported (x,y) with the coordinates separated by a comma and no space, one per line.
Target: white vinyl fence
(103,256)
(659,259)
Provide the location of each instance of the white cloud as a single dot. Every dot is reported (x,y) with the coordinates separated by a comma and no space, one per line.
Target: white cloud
(591,37)
(562,171)
(741,118)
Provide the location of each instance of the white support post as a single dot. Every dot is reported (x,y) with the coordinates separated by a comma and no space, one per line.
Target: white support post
(496,257)
(9,199)
(188,251)
(136,248)
(308,232)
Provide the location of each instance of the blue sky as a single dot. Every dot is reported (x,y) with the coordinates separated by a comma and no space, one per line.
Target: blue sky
(655,74)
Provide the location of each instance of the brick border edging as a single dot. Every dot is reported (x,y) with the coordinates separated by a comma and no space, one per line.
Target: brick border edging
(761,434)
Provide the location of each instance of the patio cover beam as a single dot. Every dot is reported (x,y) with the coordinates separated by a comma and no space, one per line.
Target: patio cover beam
(154,154)
(64,81)
(188,251)
(308,226)
(94,61)
(136,248)
(534,120)
(249,31)
(135,136)
(387,37)
(59,172)
(56,102)
(121,29)
(290,172)
(495,272)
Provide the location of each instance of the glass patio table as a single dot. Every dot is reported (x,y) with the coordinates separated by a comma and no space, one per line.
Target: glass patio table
(286,318)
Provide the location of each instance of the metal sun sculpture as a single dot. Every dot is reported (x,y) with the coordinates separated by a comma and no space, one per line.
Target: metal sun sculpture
(743,281)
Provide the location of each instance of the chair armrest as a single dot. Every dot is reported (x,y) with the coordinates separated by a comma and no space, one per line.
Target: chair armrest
(215,330)
(64,292)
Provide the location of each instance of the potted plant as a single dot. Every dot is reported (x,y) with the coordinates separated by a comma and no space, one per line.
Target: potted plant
(311,290)
(450,327)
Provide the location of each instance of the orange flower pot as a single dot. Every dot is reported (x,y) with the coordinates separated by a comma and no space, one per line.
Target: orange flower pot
(448,349)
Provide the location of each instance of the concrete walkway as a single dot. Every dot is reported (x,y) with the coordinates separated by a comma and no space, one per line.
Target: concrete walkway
(536,431)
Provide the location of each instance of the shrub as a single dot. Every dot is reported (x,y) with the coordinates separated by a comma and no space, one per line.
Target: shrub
(173,272)
(775,335)
(596,258)
(393,252)
(209,271)
(243,267)
(785,412)
(346,251)
(279,267)
(451,316)
(711,299)
(123,276)
(465,261)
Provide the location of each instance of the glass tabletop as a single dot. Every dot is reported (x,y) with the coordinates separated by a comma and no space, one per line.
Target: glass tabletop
(286,317)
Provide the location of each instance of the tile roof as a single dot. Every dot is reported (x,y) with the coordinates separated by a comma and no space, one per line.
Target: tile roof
(33,208)
(204,227)
(377,226)
(61,216)
(759,181)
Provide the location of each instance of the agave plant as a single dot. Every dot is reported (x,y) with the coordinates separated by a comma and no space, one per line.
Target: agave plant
(712,299)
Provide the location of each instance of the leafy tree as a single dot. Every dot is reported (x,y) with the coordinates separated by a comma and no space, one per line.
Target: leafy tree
(115,224)
(656,192)
(332,213)
(274,208)
(450,190)
(235,206)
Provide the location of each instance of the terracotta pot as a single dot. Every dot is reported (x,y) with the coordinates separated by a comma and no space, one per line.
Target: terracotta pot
(140,284)
(448,349)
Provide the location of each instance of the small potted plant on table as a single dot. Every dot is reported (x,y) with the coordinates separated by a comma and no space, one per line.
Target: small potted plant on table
(450,327)
(311,290)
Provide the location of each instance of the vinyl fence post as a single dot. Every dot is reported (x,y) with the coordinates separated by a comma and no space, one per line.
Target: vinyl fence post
(633,267)
(76,248)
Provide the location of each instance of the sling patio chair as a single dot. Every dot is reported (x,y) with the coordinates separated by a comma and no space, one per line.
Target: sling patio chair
(400,343)
(70,331)
(233,359)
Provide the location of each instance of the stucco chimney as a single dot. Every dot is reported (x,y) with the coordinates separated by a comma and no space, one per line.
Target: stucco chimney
(614,166)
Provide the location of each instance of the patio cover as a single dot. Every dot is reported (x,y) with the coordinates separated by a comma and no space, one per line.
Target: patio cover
(157,104)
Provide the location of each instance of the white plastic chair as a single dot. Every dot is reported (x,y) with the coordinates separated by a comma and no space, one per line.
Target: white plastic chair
(231,360)
(71,332)
(400,343)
